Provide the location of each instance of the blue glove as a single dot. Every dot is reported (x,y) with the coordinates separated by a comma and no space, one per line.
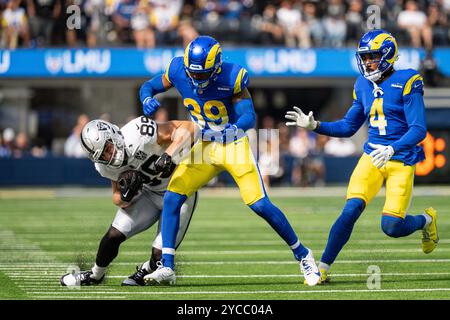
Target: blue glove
(150,105)
(228,134)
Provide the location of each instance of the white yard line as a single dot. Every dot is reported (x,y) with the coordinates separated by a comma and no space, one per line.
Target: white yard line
(312,291)
(45,279)
(30,266)
(339,275)
(251,252)
(38,262)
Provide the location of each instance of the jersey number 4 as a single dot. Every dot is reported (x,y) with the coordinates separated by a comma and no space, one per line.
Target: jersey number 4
(377,118)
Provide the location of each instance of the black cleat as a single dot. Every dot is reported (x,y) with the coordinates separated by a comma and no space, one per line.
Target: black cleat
(137,278)
(79,279)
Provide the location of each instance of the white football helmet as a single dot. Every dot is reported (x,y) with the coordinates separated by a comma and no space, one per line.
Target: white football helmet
(95,137)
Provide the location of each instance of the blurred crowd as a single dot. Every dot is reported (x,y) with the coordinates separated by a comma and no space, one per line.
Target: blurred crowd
(150,23)
(297,159)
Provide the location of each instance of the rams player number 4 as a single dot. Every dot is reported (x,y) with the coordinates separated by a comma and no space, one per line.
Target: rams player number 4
(391,102)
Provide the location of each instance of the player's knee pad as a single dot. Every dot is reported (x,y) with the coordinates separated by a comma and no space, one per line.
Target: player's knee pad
(352,210)
(392,226)
(350,214)
(261,206)
(267,210)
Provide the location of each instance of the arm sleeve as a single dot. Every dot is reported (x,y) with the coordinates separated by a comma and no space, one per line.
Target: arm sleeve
(415,117)
(246,114)
(151,87)
(346,127)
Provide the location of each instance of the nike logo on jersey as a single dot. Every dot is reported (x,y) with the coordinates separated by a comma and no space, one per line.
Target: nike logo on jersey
(397,85)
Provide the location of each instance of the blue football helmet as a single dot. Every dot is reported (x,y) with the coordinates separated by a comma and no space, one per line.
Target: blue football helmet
(381,47)
(202,60)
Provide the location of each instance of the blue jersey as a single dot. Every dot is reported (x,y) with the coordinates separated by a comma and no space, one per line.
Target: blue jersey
(211,108)
(389,116)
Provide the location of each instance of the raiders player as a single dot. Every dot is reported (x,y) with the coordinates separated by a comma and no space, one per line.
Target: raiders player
(138,161)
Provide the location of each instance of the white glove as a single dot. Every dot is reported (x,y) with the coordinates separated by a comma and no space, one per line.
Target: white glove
(381,154)
(300,119)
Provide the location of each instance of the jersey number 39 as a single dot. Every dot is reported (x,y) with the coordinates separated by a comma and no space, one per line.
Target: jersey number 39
(212,114)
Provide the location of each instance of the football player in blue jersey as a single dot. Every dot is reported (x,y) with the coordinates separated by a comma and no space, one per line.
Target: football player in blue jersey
(391,101)
(216,96)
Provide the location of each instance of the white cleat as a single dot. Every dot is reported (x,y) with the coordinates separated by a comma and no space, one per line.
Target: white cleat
(162,275)
(309,269)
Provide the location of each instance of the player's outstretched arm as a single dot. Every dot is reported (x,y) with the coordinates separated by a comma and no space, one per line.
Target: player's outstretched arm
(151,88)
(345,127)
(299,119)
(179,136)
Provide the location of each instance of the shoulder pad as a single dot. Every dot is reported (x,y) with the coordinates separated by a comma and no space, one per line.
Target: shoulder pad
(173,69)
(241,79)
(414,83)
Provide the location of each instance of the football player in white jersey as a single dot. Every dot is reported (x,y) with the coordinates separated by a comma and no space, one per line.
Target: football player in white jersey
(135,159)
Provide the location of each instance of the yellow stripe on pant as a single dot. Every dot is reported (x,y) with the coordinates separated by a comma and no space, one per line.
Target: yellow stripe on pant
(208,159)
(367,180)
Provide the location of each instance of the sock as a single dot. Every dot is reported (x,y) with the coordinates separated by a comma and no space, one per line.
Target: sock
(97,272)
(169,225)
(342,229)
(428,220)
(168,258)
(278,221)
(324,266)
(397,227)
(299,250)
(146,266)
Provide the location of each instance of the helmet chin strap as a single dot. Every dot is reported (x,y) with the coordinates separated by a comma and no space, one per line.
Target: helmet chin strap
(377,91)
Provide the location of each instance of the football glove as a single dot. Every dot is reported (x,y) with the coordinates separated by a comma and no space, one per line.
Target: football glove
(150,105)
(164,165)
(300,119)
(129,182)
(380,154)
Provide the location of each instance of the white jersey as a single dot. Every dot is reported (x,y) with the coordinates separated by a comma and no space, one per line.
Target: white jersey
(142,150)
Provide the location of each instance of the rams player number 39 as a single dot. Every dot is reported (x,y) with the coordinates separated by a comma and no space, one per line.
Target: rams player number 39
(216,96)
(391,101)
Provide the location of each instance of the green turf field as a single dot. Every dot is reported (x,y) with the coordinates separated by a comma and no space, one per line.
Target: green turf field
(228,253)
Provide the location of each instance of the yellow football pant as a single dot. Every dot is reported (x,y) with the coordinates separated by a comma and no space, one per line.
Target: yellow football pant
(208,159)
(367,180)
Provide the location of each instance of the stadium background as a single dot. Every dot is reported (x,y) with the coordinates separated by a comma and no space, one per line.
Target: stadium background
(53,79)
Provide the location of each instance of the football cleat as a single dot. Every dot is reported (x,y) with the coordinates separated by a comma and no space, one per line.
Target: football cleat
(137,278)
(430,236)
(324,278)
(309,269)
(79,279)
(161,276)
